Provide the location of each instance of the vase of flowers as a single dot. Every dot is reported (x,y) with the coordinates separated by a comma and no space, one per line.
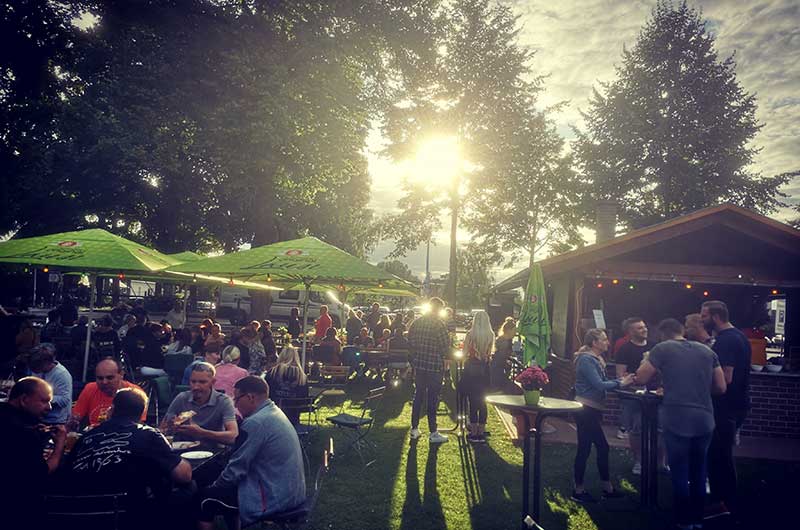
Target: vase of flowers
(532,380)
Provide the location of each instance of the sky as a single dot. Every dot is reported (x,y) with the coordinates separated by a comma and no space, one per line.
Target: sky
(578,43)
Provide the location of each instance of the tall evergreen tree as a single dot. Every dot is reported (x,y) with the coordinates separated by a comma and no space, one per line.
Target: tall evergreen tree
(674,131)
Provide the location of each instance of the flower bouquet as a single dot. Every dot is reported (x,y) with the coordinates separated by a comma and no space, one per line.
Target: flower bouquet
(532,380)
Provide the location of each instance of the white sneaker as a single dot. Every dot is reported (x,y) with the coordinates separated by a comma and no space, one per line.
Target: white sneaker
(437,438)
(622,435)
(637,468)
(415,434)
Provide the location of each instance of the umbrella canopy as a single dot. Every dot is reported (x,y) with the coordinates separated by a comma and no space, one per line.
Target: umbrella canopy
(187,255)
(307,261)
(534,323)
(84,250)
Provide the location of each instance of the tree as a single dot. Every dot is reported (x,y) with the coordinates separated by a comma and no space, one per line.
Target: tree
(673,132)
(532,201)
(399,269)
(481,81)
(475,279)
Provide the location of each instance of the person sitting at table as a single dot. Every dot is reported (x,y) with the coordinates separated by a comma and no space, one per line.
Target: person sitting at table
(330,349)
(95,399)
(691,373)
(268,341)
(182,343)
(213,420)
(44,365)
(399,339)
(382,342)
(265,473)
(228,372)
(590,390)
(293,325)
(25,468)
(215,337)
(363,340)
(212,356)
(287,380)
(125,456)
(151,358)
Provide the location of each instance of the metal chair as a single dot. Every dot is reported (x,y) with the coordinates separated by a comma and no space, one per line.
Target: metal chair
(106,512)
(360,426)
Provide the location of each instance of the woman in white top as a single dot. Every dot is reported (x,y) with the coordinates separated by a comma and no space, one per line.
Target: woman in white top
(478,346)
(183,344)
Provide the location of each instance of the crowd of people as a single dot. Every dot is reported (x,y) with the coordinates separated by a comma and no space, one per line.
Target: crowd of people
(701,366)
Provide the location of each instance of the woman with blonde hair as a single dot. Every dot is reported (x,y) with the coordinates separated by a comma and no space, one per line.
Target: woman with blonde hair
(478,346)
(287,380)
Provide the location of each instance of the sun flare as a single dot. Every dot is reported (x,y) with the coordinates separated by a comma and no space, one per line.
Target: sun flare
(438,160)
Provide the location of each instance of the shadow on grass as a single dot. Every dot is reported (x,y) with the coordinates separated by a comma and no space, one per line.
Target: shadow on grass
(422,508)
(497,489)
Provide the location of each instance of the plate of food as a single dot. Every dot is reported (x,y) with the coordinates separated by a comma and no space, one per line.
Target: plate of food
(197,455)
(183,417)
(183,446)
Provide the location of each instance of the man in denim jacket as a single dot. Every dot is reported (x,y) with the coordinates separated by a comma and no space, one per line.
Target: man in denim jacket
(265,473)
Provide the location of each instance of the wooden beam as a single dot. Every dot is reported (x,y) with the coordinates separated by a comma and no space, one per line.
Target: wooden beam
(686,273)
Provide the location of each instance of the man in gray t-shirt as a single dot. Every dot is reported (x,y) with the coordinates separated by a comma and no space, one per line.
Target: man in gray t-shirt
(690,372)
(214,419)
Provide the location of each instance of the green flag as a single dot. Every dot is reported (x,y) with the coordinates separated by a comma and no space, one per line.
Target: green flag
(534,324)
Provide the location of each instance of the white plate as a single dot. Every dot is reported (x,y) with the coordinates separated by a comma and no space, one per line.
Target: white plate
(182,446)
(197,455)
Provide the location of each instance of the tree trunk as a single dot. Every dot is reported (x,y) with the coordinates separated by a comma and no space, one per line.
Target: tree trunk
(267,232)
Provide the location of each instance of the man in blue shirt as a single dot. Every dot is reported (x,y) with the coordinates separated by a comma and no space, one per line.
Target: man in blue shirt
(730,408)
(43,364)
(265,474)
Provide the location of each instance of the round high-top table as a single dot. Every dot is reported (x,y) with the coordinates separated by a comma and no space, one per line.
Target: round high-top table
(546,407)
(649,402)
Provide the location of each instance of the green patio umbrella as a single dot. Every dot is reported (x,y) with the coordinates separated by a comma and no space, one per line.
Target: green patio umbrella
(306,261)
(534,324)
(93,251)
(187,255)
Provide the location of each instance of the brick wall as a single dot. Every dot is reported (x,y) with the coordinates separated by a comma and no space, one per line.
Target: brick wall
(775,411)
(775,398)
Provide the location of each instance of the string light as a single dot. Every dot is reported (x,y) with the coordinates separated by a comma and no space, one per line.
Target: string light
(269,277)
(615,281)
(231,282)
(705,293)
(688,286)
(194,278)
(121,275)
(599,285)
(45,269)
(774,291)
(631,287)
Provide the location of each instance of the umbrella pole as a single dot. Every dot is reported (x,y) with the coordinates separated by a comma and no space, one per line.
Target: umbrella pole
(34,287)
(305,323)
(93,289)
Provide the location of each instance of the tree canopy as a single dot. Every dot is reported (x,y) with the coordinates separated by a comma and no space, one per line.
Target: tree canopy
(673,132)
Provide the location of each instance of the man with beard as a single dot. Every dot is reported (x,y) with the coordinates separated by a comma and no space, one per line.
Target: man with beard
(730,408)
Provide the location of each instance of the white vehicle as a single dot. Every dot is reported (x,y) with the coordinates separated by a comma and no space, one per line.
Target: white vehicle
(234,303)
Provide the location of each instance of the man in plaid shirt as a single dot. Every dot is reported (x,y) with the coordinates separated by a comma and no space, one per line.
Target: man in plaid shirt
(429,343)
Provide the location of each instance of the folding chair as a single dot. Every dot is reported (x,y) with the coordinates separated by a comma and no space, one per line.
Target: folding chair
(360,426)
(88,512)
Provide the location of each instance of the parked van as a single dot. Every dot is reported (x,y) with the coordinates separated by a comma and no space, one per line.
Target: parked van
(234,304)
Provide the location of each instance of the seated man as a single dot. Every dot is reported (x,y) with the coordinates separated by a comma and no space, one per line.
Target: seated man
(24,467)
(125,456)
(95,400)
(202,413)
(43,364)
(265,473)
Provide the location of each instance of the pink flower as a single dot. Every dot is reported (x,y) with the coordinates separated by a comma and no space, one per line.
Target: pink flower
(532,378)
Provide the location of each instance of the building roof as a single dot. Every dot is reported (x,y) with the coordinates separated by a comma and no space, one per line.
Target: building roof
(726,238)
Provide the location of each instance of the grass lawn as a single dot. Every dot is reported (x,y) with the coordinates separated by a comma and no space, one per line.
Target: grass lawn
(419,486)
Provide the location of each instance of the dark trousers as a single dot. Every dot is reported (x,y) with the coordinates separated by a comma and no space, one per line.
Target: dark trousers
(687,462)
(474,384)
(590,431)
(721,467)
(427,386)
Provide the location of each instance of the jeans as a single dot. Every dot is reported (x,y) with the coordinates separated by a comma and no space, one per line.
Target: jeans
(687,462)
(474,384)
(721,467)
(426,388)
(590,431)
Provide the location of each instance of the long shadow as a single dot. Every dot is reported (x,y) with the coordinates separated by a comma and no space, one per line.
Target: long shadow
(422,510)
(499,491)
